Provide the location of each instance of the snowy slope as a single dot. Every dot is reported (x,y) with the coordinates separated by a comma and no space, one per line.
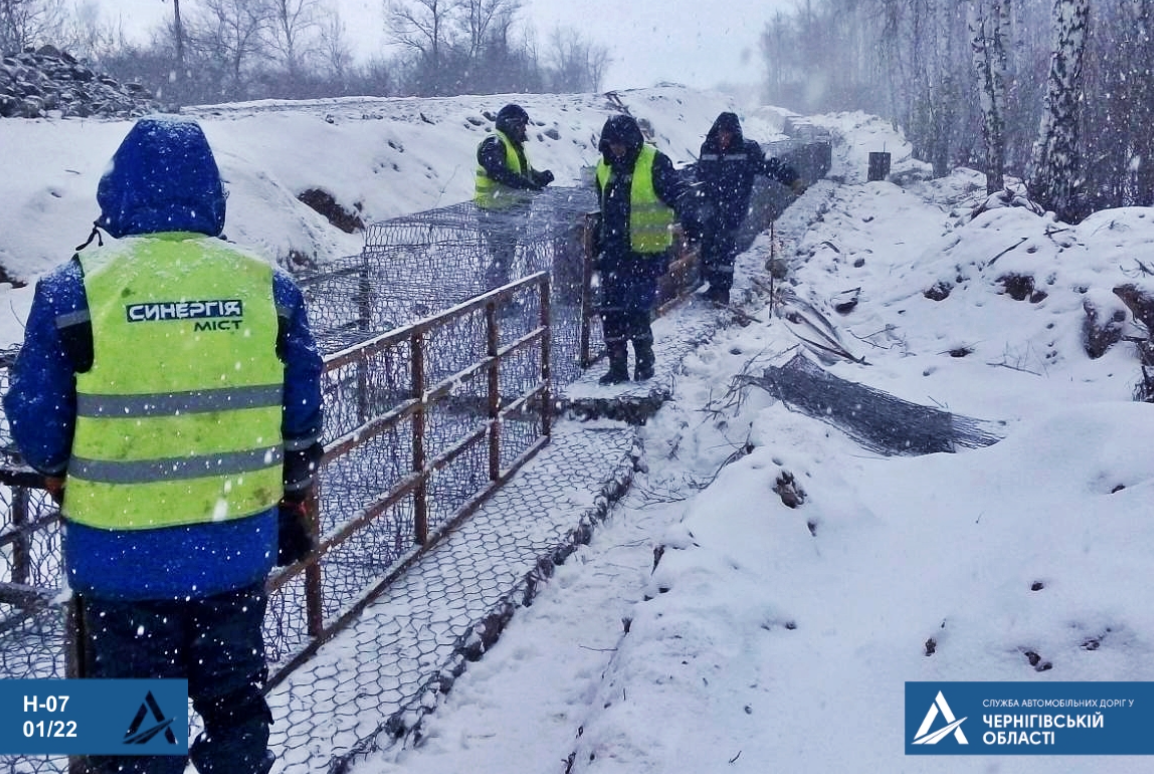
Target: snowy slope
(378,157)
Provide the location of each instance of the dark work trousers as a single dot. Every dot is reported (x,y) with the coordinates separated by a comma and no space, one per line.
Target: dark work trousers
(218,645)
(501,229)
(628,291)
(718,252)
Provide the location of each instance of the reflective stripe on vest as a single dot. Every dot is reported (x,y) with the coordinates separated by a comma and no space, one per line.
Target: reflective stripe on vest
(650,220)
(179,418)
(491,195)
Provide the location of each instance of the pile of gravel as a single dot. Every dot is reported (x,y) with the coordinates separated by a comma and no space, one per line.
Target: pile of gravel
(47,81)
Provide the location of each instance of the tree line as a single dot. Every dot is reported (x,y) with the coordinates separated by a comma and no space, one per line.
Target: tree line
(1057,93)
(230,50)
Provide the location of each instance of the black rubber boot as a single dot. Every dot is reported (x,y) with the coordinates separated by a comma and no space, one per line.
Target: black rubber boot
(643,353)
(618,364)
(717,295)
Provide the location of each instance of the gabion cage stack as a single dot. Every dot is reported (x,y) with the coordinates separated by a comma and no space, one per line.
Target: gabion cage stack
(416,265)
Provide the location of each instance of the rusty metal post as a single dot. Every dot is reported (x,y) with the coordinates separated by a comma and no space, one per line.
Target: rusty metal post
(364,321)
(314,586)
(420,491)
(21,561)
(879,166)
(546,373)
(73,611)
(493,398)
(584,358)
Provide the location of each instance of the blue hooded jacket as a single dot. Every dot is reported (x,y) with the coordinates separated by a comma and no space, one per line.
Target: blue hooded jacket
(163,179)
(727,173)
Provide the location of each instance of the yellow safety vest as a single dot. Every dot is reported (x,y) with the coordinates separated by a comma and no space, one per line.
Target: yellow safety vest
(650,219)
(179,419)
(491,195)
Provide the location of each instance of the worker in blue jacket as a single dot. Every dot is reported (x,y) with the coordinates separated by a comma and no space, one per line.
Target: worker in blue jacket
(169,388)
(726,169)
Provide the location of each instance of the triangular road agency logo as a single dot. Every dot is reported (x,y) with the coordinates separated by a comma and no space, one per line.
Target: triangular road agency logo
(139,734)
(925,736)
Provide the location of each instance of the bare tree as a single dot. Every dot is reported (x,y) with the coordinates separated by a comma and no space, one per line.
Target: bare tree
(989,22)
(178,36)
(375,78)
(295,31)
(25,23)
(1116,121)
(178,75)
(505,62)
(1139,21)
(334,45)
(477,18)
(1053,181)
(776,43)
(229,35)
(598,62)
(575,64)
(939,72)
(87,35)
(423,27)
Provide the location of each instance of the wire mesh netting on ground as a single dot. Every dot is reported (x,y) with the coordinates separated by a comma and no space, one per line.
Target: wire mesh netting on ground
(877,420)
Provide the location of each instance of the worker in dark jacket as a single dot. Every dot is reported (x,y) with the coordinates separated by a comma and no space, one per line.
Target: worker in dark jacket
(168,387)
(637,189)
(725,171)
(505,181)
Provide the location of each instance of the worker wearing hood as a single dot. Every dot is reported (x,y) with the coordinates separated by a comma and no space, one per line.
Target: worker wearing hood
(637,190)
(505,183)
(168,388)
(726,169)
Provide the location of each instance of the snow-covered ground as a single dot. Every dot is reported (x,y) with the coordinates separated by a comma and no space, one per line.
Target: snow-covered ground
(767,638)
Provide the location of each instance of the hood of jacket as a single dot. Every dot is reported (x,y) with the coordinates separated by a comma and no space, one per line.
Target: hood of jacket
(163,177)
(512,121)
(729,122)
(621,129)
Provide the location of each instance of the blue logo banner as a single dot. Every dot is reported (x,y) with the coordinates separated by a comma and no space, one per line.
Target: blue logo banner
(94,717)
(1012,718)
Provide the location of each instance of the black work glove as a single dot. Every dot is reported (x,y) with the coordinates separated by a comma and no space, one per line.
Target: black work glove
(547,177)
(594,236)
(295,538)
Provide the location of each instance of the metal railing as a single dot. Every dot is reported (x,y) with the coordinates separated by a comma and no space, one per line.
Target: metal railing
(379,510)
(418,435)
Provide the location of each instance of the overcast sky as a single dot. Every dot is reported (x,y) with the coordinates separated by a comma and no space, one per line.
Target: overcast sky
(696,42)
